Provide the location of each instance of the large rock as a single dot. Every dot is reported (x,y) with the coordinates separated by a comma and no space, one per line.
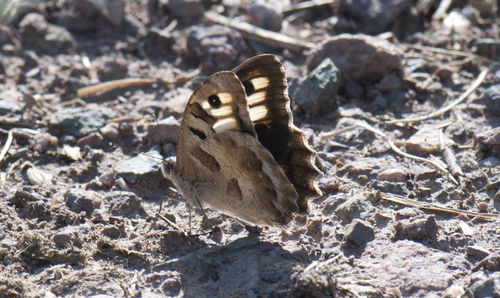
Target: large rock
(359,57)
(79,122)
(110,10)
(37,34)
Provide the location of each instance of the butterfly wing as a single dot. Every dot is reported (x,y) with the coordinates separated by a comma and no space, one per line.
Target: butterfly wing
(264,80)
(217,105)
(220,163)
(252,186)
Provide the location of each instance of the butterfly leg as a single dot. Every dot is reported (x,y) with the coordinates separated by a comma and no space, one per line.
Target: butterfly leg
(190,209)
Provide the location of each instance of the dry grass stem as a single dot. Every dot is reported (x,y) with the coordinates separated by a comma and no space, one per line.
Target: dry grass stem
(266,37)
(434,207)
(102,88)
(445,109)
(402,153)
(7,145)
(438,50)
(308,5)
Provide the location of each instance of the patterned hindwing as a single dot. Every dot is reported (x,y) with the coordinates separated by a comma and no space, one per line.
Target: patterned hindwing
(264,80)
(217,105)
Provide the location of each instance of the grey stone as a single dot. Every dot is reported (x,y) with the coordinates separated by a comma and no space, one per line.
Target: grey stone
(186,11)
(124,203)
(375,16)
(487,47)
(356,206)
(77,22)
(7,107)
(166,131)
(37,34)
(265,15)
(219,47)
(393,174)
(112,68)
(489,136)
(67,237)
(316,92)
(79,121)
(111,10)
(421,227)
(477,252)
(492,99)
(6,36)
(398,188)
(390,83)
(139,168)
(79,200)
(488,287)
(353,90)
(158,42)
(412,268)
(359,232)
(169,282)
(110,131)
(114,232)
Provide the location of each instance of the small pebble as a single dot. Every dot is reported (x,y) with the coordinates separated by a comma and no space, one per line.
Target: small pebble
(359,232)
(78,200)
(393,174)
(94,140)
(482,207)
(124,203)
(422,227)
(478,252)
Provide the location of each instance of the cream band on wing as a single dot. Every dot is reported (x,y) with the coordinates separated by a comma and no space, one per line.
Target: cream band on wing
(260,83)
(258,113)
(225,124)
(225,110)
(256,98)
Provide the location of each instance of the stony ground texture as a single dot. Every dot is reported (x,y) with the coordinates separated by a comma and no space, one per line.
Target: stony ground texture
(84,205)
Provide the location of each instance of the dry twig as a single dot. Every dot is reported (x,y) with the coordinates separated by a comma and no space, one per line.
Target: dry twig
(434,207)
(101,88)
(399,151)
(442,8)
(6,146)
(129,119)
(451,161)
(266,37)
(438,50)
(308,5)
(445,109)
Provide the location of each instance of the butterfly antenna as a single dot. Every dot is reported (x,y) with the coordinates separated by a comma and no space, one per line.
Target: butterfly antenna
(155,117)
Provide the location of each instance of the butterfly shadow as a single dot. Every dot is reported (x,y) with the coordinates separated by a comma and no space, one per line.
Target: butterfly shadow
(248,266)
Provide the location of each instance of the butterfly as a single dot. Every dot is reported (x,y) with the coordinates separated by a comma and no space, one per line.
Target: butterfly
(238,150)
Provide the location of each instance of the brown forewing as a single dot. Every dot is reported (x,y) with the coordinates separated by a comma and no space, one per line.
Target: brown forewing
(201,120)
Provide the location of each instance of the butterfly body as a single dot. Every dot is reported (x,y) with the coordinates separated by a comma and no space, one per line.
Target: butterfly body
(238,150)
